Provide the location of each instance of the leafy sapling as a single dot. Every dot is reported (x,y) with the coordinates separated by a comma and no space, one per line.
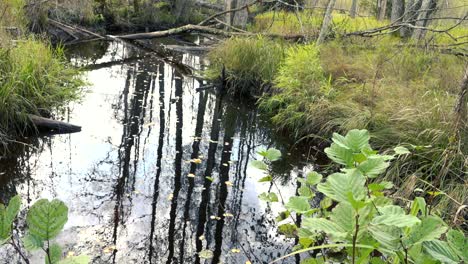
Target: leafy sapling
(45,220)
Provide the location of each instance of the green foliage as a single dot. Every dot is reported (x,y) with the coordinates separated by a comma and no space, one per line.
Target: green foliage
(249,62)
(33,76)
(7,216)
(364,221)
(45,220)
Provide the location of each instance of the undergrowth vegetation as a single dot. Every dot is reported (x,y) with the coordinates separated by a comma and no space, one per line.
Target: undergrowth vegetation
(361,219)
(34,76)
(400,94)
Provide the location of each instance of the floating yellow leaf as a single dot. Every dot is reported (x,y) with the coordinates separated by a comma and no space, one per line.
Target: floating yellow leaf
(228,183)
(70,254)
(191,175)
(202,237)
(228,215)
(196,161)
(235,250)
(248,262)
(170,196)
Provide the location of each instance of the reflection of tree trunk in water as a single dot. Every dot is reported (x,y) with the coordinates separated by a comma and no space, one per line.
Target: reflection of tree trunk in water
(162,128)
(210,162)
(178,165)
(353,10)
(203,98)
(230,129)
(131,129)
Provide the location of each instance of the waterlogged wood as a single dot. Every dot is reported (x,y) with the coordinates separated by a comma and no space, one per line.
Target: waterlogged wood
(201,29)
(43,124)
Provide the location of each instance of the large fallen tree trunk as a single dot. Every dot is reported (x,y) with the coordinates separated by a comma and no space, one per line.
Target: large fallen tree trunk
(46,125)
(202,29)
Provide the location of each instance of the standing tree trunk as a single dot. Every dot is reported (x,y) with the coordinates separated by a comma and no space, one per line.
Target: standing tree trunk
(423,18)
(327,19)
(382,9)
(411,12)
(238,18)
(353,10)
(398,9)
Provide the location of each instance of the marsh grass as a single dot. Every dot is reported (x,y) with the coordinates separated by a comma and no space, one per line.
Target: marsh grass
(249,63)
(34,76)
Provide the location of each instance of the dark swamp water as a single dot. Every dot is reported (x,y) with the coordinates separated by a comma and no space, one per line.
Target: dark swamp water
(133,194)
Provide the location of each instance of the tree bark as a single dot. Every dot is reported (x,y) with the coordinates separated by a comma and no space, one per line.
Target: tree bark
(382,9)
(353,10)
(327,19)
(425,12)
(398,9)
(411,12)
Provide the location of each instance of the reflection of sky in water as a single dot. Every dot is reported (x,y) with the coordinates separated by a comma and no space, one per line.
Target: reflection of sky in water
(142,123)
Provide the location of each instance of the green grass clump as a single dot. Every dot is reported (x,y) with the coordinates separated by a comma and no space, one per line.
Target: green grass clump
(249,63)
(34,77)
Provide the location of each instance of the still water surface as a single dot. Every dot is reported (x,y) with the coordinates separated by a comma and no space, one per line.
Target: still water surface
(133,194)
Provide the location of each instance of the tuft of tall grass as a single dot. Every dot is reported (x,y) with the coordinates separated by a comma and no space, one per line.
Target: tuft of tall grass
(34,78)
(249,63)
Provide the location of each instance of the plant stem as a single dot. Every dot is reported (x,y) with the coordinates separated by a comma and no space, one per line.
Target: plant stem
(48,251)
(16,247)
(355,237)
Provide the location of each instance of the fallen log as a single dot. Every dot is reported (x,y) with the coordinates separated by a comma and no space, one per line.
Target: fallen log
(188,49)
(46,125)
(203,29)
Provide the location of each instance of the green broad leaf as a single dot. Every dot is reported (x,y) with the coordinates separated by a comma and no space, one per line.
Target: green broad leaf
(55,253)
(82,259)
(7,216)
(298,204)
(459,243)
(380,186)
(206,254)
(46,218)
(324,225)
(401,150)
(441,251)
(305,191)
(355,203)
(418,205)
(359,157)
(392,215)
(373,166)
(326,203)
(387,236)
(306,242)
(289,230)
(305,233)
(32,243)
(430,228)
(338,185)
(354,140)
(272,154)
(266,179)
(13,208)
(357,139)
(417,254)
(313,178)
(268,197)
(343,215)
(340,155)
(282,216)
(258,164)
